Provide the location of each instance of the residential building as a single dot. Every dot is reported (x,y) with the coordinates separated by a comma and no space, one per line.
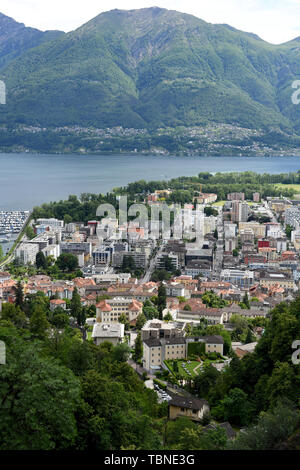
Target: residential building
(258,229)
(161,329)
(188,407)
(113,333)
(110,310)
(238,277)
(236,197)
(155,351)
(26,252)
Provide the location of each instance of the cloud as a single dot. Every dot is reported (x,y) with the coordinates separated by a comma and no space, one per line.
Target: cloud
(275,21)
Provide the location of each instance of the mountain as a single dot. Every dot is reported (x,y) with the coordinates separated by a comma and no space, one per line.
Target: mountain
(16,38)
(149,68)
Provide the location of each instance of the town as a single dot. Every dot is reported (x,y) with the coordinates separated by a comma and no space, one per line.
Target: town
(177,305)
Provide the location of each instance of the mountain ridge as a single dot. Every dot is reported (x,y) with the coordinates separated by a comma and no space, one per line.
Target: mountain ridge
(151,68)
(16,38)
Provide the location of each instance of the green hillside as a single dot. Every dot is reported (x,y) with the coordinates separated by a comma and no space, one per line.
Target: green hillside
(153,68)
(16,38)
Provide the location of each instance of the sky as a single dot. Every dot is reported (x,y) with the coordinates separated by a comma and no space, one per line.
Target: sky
(275,21)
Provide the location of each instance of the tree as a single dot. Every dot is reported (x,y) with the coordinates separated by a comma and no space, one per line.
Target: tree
(123,319)
(187,307)
(38,397)
(273,428)
(19,295)
(61,320)
(13,313)
(209,210)
(140,321)
(67,219)
(138,348)
(75,306)
(249,337)
(282,384)
(39,323)
(149,310)
(81,317)
(29,232)
(121,352)
(168,317)
(41,261)
(246,301)
(161,299)
(235,408)
(205,381)
(288,231)
(128,264)
(160,275)
(67,262)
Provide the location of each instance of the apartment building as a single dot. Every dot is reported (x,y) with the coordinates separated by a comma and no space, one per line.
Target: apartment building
(26,252)
(258,229)
(238,277)
(110,310)
(236,197)
(155,351)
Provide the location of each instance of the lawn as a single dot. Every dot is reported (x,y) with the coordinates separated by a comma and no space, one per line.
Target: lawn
(189,366)
(219,203)
(89,335)
(295,187)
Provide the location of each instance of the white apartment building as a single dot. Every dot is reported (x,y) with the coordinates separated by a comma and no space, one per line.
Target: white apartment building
(238,277)
(26,252)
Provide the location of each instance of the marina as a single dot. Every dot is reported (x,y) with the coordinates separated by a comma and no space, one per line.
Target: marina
(11,222)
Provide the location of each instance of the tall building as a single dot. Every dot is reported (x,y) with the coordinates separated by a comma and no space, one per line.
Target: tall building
(239,211)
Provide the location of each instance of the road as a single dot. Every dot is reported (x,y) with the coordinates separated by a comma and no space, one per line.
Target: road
(219,253)
(151,266)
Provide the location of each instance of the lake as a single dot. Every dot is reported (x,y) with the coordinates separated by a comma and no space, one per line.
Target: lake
(27,180)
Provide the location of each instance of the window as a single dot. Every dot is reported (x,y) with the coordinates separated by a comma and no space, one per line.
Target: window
(182,409)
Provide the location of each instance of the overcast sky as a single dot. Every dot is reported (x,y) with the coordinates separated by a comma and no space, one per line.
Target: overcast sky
(275,21)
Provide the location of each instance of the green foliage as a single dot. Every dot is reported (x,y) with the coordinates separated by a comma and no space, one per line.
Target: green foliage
(67,262)
(168,317)
(39,323)
(29,232)
(161,299)
(121,352)
(140,321)
(76,307)
(44,406)
(219,75)
(212,300)
(235,408)
(187,308)
(138,348)
(38,398)
(196,349)
(271,431)
(149,310)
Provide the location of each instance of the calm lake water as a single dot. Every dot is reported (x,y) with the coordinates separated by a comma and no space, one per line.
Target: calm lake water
(27,180)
